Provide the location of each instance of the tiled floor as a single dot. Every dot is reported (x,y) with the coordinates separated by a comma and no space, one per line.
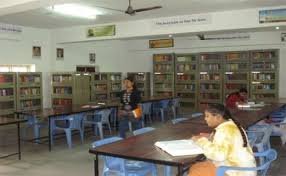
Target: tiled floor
(38,161)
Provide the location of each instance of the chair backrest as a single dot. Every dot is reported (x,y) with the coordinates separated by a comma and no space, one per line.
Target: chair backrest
(270,155)
(31,120)
(105,113)
(105,141)
(110,161)
(277,116)
(143,130)
(178,120)
(76,120)
(164,104)
(146,108)
(262,134)
(197,114)
(176,102)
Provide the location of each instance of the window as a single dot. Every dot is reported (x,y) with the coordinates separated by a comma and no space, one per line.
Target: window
(18,68)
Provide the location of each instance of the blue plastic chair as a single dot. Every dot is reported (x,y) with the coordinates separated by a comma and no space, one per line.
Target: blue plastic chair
(269,155)
(185,117)
(122,167)
(103,118)
(175,107)
(32,122)
(161,108)
(143,130)
(262,134)
(68,124)
(277,116)
(178,120)
(146,112)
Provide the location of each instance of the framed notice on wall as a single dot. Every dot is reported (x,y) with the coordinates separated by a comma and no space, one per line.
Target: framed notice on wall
(101,31)
(272,16)
(161,43)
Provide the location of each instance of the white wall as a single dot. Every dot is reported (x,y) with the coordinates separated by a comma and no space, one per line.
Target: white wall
(219,21)
(17,49)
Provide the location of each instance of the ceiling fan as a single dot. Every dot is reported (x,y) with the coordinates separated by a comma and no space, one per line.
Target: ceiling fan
(130,10)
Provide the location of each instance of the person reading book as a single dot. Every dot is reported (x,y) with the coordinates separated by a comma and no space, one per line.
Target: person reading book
(234,98)
(130,99)
(226,146)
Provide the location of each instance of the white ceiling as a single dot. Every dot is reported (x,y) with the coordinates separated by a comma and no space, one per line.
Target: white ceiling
(42,18)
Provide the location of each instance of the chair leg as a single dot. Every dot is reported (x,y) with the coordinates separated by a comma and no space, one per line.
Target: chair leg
(142,123)
(260,148)
(174,112)
(37,132)
(167,171)
(130,126)
(81,131)
(109,127)
(154,170)
(162,115)
(150,119)
(68,136)
(52,136)
(95,129)
(100,129)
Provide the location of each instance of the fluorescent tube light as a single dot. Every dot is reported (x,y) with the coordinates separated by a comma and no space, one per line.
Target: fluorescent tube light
(76,10)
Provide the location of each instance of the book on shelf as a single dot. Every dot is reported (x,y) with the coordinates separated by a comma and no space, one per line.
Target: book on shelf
(180,147)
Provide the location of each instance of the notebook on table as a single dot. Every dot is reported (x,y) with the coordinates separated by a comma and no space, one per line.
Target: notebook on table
(179,147)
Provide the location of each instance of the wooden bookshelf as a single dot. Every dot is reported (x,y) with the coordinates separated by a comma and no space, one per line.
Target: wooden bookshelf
(29,91)
(210,79)
(186,76)
(163,78)
(264,75)
(236,72)
(70,88)
(7,93)
(99,87)
(142,81)
(114,86)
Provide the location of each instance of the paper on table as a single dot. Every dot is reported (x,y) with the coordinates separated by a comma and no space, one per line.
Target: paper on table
(179,147)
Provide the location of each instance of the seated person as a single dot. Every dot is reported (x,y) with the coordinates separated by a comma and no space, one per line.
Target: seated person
(227,146)
(234,98)
(130,98)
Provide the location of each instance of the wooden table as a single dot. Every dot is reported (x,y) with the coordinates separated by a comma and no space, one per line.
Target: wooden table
(4,121)
(248,118)
(142,147)
(50,113)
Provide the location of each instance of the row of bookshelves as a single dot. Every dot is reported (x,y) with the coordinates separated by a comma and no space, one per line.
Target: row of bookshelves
(76,88)
(212,76)
(20,91)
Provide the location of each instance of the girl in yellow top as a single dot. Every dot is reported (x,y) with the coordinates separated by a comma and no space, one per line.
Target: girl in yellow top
(228,146)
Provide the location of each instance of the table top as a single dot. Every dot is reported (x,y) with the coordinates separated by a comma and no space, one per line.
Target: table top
(9,121)
(250,117)
(156,98)
(57,111)
(142,147)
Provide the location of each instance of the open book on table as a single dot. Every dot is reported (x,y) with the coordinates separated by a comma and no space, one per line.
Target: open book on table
(180,147)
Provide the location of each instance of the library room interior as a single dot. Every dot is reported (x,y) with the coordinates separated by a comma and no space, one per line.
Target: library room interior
(142,88)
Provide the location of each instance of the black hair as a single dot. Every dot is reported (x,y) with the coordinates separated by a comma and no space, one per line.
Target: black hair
(243,90)
(132,80)
(224,112)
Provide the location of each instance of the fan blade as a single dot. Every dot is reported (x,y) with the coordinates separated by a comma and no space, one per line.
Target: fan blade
(107,8)
(148,8)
